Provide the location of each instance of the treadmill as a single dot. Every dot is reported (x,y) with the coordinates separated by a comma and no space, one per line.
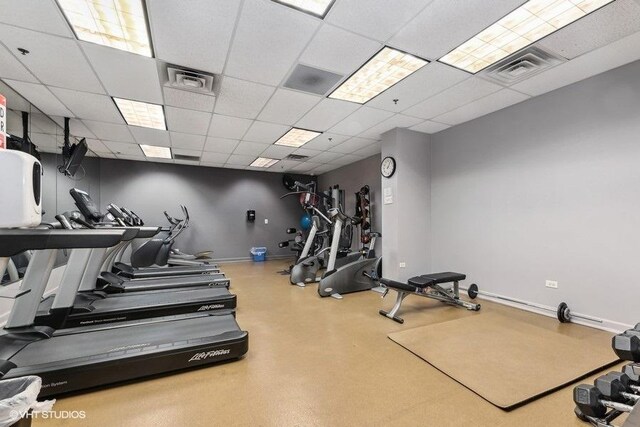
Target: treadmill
(81,358)
(148,254)
(69,308)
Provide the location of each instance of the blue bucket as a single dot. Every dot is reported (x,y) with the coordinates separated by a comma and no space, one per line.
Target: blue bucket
(259,253)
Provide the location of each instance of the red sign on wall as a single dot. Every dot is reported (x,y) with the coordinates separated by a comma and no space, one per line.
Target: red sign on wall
(3,122)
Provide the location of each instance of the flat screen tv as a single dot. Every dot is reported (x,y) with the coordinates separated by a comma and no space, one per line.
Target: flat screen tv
(74,159)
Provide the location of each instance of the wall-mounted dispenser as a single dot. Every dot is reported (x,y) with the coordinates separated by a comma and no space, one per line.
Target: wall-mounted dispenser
(251,215)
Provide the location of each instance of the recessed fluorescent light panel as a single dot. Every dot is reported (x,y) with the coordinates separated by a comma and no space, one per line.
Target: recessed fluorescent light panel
(385,69)
(121,24)
(317,8)
(527,24)
(141,114)
(155,151)
(263,162)
(297,137)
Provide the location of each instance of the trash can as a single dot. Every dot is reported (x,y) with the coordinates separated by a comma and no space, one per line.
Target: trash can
(17,398)
(258,253)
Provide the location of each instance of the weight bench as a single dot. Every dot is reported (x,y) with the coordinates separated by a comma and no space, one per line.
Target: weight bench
(427,285)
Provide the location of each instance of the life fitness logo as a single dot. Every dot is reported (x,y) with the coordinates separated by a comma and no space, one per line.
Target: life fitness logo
(3,122)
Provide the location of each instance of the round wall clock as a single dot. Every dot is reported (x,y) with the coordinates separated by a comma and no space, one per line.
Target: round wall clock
(388,167)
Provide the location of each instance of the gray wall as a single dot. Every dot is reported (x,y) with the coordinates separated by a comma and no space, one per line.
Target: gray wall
(351,178)
(546,189)
(217,200)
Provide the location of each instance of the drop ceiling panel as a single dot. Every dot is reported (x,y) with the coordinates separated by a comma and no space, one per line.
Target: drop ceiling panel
(345,159)
(305,167)
(45,142)
(189,100)
(220,158)
(613,22)
(187,121)
(228,127)
(488,104)
(250,148)
(429,127)
(14,100)
(378,19)
(397,121)
(56,61)
(352,145)
(424,83)
(324,169)
(97,146)
(187,141)
(325,157)
(368,151)
(362,119)
(132,157)
(38,15)
(595,62)
(277,151)
(187,152)
(445,24)
(150,136)
(265,132)
(124,74)
(123,148)
(109,131)
(287,106)
(76,127)
(40,97)
(325,141)
(220,145)
(201,44)
(12,68)
(457,96)
(240,98)
(212,164)
(307,152)
(326,114)
(91,106)
(337,50)
(240,160)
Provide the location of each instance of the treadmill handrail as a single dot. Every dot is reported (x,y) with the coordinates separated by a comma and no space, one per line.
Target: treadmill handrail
(14,241)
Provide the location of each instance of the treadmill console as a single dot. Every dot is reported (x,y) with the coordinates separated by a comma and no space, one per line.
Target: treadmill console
(87,206)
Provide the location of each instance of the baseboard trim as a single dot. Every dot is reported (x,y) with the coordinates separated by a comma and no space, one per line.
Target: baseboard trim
(245,259)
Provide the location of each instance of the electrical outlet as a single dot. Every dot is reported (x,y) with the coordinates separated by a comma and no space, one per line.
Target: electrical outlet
(403,264)
(551,284)
(266,221)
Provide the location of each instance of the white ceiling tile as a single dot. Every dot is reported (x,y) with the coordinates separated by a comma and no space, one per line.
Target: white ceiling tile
(241,98)
(325,141)
(239,160)
(326,114)
(424,83)
(323,169)
(250,148)
(362,119)
(265,132)
(325,157)
(277,151)
(351,145)
(228,127)
(212,164)
(345,159)
(287,106)
(76,127)
(14,100)
(125,75)
(13,69)
(397,121)
(369,150)
(187,141)
(97,146)
(457,96)
(90,106)
(429,127)
(613,22)
(335,49)
(189,100)
(220,145)
(197,35)
(234,166)
(38,15)
(149,136)
(56,61)
(43,140)
(283,166)
(186,152)
(445,24)
(267,42)
(214,157)
(187,162)
(305,167)
(488,104)
(595,62)
(40,96)
(379,19)
(42,123)
(107,155)
(109,131)
(187,121)
(123,148)
(307,152)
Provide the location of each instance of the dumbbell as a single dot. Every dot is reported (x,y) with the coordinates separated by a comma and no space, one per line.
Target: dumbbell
(591,403)
(627,345)
(632,371)
(616,386)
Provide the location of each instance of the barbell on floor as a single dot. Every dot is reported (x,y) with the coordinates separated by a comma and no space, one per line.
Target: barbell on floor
(563,312)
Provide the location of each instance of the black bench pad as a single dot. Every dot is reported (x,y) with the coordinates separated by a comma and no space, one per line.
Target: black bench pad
(397,285)
(433,279)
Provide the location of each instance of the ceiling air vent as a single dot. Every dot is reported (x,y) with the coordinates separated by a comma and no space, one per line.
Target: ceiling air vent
(296,157)
(188,158)
(193,80)
(312,80)
(522,65)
